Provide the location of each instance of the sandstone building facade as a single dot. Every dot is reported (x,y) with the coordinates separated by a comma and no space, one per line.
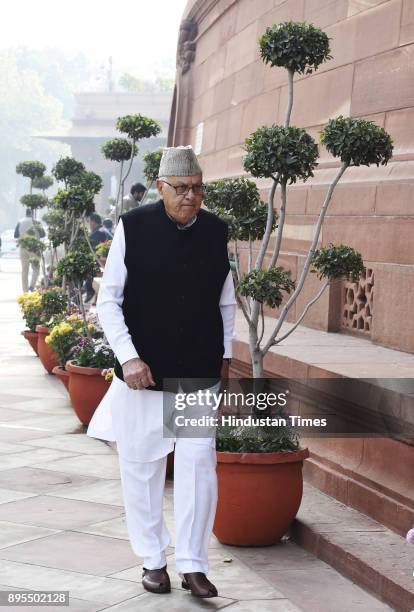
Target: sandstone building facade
(224,92)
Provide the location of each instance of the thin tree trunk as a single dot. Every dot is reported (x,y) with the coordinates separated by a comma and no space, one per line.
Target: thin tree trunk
(290,97)
(117,206)
(82,308)
(281,223)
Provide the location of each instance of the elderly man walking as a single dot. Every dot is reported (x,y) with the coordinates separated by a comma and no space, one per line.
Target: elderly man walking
(167,307)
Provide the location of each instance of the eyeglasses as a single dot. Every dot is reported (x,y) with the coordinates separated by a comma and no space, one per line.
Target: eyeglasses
(184,189)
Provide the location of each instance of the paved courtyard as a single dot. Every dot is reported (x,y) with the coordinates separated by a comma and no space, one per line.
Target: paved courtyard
(62,521)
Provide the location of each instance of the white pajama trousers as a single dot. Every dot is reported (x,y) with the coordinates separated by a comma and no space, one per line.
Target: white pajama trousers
(195,501)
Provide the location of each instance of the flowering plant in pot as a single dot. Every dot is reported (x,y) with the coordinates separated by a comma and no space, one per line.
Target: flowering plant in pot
(87,386)
(64,334)
(31,307)
(53,302)
(282,154)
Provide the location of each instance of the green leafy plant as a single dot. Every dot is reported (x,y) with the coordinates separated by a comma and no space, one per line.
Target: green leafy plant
(87,180)
(75,199)
(287,154)
(118,149)
(267,285)
(137,126)
(152,160)
(256,439)
(56,232)
(238,203)
(54,302)
(42,182)
(357,142)
(299,47)
(34,201)
(32,244)
(77,266)
(339,261)
(102,249)
(31,169)
(66,168)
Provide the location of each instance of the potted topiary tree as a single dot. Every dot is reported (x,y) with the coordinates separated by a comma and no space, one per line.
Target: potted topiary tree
(136,127)
(76,267)
(122,151)
(260,471)
(34,170)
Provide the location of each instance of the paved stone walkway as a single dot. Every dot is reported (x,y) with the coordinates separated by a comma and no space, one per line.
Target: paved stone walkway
(62,522)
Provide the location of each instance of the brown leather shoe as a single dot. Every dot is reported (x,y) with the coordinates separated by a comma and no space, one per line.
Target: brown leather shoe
(156,580)
(199,585)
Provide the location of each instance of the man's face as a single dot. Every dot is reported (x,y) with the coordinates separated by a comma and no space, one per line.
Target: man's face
(137,195)
(93,225)
(182,208)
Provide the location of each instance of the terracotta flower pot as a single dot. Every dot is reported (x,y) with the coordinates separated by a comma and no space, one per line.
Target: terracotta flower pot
(86,389)
(259,495)
(62,375)
(31,337)
(46,355)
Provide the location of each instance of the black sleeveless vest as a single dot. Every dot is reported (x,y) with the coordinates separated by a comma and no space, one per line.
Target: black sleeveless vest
(172,294)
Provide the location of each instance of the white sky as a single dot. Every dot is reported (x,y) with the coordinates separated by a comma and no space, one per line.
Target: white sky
(138,34)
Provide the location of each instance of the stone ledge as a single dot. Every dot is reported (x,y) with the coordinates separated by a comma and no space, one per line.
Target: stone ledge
(363,550)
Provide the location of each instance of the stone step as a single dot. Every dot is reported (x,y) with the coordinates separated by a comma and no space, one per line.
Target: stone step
(360,548)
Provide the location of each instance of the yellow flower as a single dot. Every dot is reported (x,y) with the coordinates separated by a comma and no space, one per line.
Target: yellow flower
(91,327)
(109,375)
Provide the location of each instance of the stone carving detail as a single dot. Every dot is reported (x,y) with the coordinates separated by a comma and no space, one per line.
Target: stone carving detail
(358,304)
(186,46)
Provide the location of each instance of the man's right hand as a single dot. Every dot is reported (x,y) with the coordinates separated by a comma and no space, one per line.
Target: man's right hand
(137,374)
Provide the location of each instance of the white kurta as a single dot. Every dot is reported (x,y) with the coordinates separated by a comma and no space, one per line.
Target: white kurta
(134,418)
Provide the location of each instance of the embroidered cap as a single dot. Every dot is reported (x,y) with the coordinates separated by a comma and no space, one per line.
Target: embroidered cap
(179,161)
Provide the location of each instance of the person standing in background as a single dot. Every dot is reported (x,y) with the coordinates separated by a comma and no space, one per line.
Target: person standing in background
(133,199)
(27,261)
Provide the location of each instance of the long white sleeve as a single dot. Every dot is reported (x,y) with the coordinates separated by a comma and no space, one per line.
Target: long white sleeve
(110,298)
(228,308)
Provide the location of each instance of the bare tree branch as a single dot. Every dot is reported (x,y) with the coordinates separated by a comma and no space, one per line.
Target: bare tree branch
(311,252)
(281,223)
(308,305)
(245,306)
(263,327)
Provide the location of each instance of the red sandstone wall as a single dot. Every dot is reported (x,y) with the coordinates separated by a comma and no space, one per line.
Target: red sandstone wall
(371,75)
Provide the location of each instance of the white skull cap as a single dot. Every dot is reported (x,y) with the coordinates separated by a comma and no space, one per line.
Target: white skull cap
(179,161)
